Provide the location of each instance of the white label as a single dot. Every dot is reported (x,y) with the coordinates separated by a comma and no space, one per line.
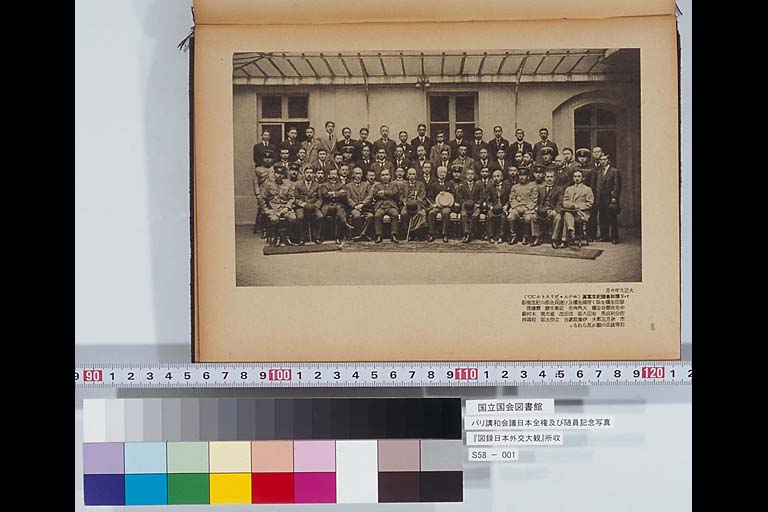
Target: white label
(528,422)
(493,454)
(516,406)
(518,438)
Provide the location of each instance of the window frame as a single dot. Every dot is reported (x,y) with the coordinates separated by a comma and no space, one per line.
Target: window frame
(284,120)
(452,112)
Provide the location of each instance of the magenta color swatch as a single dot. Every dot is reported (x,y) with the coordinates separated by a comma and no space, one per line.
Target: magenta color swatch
(103,459)
(314,487)
(314,456)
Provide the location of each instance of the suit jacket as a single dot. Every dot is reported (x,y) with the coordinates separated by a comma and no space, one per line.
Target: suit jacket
(293,148)
(365,143)
(578,197)
(408,150)
(494,197)
(476,194)
(608,186)
(439,163)
(329,164)
(541,144)
(416,142)
(416,164)
(588,173)
(358,193)
(378,167)
(478,165)
(516,147)
(503,166)
(333,193)
(475,147)
(495,145)
(455,147)
(434,187)
(434,152)
(328,145)
(415,192)
(549,201)
(524,195)
(308,194)
(486,185)
(364,166)
(405,163)
(564,175)
(422,178)
(386,196)
(389,148)
(258,152)
(312,147)
(468,162)
(339,147)
(402,185)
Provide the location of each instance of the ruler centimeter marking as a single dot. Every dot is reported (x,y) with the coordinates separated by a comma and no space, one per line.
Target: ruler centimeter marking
(285,375)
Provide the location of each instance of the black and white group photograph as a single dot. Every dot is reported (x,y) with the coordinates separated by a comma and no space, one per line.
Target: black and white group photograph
(454,167)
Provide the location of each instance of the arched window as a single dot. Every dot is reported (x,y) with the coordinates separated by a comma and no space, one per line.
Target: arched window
(595,125)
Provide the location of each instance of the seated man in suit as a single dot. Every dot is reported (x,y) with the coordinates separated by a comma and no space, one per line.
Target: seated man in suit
(400,181)
(548,210)
(413,216)
(512,175)
(521,208)
(577,204)
(344,174)
(497,199)
(471,196)
(334,197)
(279,198)
(308,205)
(359,198)
(439,184)
(426,175)
(387,199)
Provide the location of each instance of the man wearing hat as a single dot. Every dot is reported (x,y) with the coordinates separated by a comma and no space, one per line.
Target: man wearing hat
(523,198)
(471,196)
(544,143)
(538,174)
(413,214)
(549,203)
(387,197)
(607,197)
(359,199)
(520,145)
(308,204)
(547,156)
(293,174)
(334,197)
(262,174)
(577,203)
(347,154)
(382,163)
(437,185)
(347,143)
(422,139)
(437,147)
(463,160)
(497,199)
(279,199)
(261,147)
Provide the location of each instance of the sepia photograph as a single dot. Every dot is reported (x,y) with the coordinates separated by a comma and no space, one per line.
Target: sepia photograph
(455,167)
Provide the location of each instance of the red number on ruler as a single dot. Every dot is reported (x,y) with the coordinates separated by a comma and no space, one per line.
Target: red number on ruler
(280,374)
(466,373)
(92,376)
(652,372)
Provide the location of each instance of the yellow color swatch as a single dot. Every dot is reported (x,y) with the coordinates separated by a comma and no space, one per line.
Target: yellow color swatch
(230,488)
(230,456)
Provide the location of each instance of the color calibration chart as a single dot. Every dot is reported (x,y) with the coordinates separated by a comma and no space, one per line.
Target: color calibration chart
(257,451)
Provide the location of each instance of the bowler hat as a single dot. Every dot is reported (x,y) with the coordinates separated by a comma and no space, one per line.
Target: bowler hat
(469,205)
(309,208)
(497,209)
(411,206)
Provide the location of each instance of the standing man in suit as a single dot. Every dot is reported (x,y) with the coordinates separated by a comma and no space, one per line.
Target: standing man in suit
(346,132)
(420,160)
(549,204)
(363,142)
(444,160)
(471,195)
(382,163)
(477,144)
(463,160)
(544,143)
(359,198)
(311,145)
(328,139)
(401,160)
(577,203)
(261,147)
(521,209)
(439,184)
(498,142)
(520,145)
(608,196)
(387,197)
(501,163)
(324,163)
(457,142)
(366,161)
(413,214)
(385,143)
(308,204)
(408,150)
(482,161)
(334,197)
(437,147)
(422,139)
(497,198)
(291,143)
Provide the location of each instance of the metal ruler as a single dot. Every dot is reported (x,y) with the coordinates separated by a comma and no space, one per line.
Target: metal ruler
(284,375)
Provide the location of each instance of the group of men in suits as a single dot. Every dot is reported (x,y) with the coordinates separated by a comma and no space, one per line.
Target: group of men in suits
(519,189)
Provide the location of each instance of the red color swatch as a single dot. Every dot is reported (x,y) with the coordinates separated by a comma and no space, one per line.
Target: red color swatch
(272,487)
